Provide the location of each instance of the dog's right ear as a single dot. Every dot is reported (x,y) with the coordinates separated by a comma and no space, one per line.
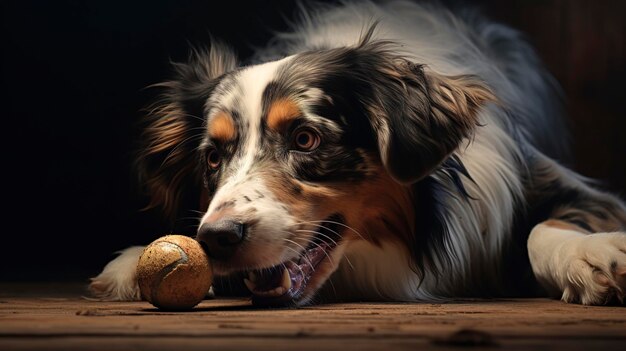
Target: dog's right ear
(168,162)
(422,117)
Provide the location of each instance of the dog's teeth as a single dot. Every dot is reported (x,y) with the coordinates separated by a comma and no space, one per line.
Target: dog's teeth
(251,286)
(252,276)
(286,283)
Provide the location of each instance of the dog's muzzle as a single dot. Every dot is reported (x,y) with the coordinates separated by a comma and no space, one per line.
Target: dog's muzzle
(283,284)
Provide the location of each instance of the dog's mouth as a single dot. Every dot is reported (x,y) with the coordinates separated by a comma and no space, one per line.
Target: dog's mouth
(286,283)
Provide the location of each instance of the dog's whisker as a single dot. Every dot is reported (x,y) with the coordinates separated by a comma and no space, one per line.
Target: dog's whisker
(169,155)
(300,254)
(295,243)
(329,238)
(186,218)
(325,253)
(343,225)
(197,128)
(294,250)
(330,230)
(157,111)
(346,257)
(330,280)
(317,233)
(349,262)
(299,268)
(315,222)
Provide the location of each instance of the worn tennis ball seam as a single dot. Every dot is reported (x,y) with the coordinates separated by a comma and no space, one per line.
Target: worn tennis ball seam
(167,269)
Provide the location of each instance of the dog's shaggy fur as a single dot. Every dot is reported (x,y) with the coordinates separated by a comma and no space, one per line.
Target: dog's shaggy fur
(393,152)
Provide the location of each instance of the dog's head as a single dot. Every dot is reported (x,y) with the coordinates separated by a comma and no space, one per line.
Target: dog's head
(302,156)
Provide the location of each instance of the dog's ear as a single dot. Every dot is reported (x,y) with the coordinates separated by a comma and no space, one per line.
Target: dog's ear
(419,117)
(167,160)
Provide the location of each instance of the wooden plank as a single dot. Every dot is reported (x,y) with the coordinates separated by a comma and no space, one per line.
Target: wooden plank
(72,323)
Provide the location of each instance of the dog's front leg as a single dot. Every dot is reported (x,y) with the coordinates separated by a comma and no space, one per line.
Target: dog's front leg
(582,267)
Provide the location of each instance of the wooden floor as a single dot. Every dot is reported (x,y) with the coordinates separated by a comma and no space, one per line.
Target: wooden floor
(55,317)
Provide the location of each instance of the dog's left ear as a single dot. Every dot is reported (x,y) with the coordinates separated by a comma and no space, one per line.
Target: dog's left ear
(419,117)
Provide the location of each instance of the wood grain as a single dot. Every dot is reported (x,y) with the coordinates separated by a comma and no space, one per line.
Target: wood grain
(66,321)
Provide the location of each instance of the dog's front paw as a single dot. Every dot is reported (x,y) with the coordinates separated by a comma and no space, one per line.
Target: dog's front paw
(593,268)
(118,280)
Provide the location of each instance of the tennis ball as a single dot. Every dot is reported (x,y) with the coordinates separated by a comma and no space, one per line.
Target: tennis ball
(174,273)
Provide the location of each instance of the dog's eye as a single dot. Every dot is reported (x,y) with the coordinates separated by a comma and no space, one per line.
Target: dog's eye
(214,159)
(306,140)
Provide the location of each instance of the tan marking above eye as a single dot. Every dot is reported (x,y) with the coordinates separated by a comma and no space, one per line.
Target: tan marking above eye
(281,112)
(222,127)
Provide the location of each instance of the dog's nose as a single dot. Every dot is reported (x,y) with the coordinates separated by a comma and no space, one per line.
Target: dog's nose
(221,238)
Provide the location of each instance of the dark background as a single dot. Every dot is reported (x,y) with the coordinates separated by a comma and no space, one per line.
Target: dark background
(73,79)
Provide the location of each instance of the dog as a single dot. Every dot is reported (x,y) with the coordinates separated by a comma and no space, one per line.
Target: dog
(390,152)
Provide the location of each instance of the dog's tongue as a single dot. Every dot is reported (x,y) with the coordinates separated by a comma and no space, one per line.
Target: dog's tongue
(281,285)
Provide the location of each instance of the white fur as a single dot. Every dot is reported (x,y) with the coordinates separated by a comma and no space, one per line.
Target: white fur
(377,273)
(576,266)
(250,109)
(118,280)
